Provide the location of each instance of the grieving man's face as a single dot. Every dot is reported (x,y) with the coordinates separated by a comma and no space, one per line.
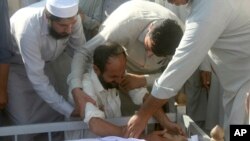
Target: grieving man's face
(108,85)
(114,72)
(62,28)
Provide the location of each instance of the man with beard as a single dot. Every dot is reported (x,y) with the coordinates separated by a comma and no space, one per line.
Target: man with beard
(41,33)
(102,83)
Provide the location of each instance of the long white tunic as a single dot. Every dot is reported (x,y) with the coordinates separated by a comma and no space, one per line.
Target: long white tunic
(127,25)
(223,26)
(36,48)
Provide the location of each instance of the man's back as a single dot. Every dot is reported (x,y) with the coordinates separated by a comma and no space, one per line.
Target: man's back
(138,12)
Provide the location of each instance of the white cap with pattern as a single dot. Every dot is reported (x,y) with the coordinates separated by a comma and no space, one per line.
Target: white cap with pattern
(62,8)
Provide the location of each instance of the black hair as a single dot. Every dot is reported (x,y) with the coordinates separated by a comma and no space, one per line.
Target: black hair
(165,35)
(103,52)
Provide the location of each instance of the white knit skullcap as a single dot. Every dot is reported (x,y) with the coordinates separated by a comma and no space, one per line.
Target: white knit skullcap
(62,8)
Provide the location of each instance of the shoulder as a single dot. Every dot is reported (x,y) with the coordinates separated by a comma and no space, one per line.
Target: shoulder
(26,19)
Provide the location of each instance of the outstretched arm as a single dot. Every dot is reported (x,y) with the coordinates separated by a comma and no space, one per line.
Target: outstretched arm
(102,127)
(165,122)
(138,122)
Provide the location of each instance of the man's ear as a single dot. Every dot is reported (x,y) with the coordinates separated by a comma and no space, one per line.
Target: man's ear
(97,70)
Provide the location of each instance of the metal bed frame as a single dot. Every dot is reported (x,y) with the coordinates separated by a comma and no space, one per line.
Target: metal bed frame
(185,121)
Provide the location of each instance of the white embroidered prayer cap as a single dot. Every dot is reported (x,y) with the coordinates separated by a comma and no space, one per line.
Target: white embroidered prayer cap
(62,8)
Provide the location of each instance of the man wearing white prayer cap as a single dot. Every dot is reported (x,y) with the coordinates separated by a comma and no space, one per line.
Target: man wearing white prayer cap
(62,8)
(42,32)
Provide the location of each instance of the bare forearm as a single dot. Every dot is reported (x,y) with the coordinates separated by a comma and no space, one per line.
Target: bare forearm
(166,123)
(151,106)
(159,115)
(162,118)
(101,127)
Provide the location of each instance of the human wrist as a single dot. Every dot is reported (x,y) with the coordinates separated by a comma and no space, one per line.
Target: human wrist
(76,91)
(141,113)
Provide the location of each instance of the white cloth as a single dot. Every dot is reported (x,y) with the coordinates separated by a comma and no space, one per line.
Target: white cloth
(36,47)
(92,111)
(137,95)
(129,25)
(62,8)
(226,33)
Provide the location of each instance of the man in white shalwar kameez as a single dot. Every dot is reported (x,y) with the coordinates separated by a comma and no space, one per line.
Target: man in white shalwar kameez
(42,32)
(224,34)
(211,98)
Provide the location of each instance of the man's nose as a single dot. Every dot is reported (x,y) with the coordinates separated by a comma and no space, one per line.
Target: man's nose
(68,29)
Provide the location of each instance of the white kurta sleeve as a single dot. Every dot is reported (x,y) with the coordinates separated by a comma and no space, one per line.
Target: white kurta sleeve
(137,95)
(90,109)
(77,42)
(82,56)
(205,65)
(200,34)
(34,64)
